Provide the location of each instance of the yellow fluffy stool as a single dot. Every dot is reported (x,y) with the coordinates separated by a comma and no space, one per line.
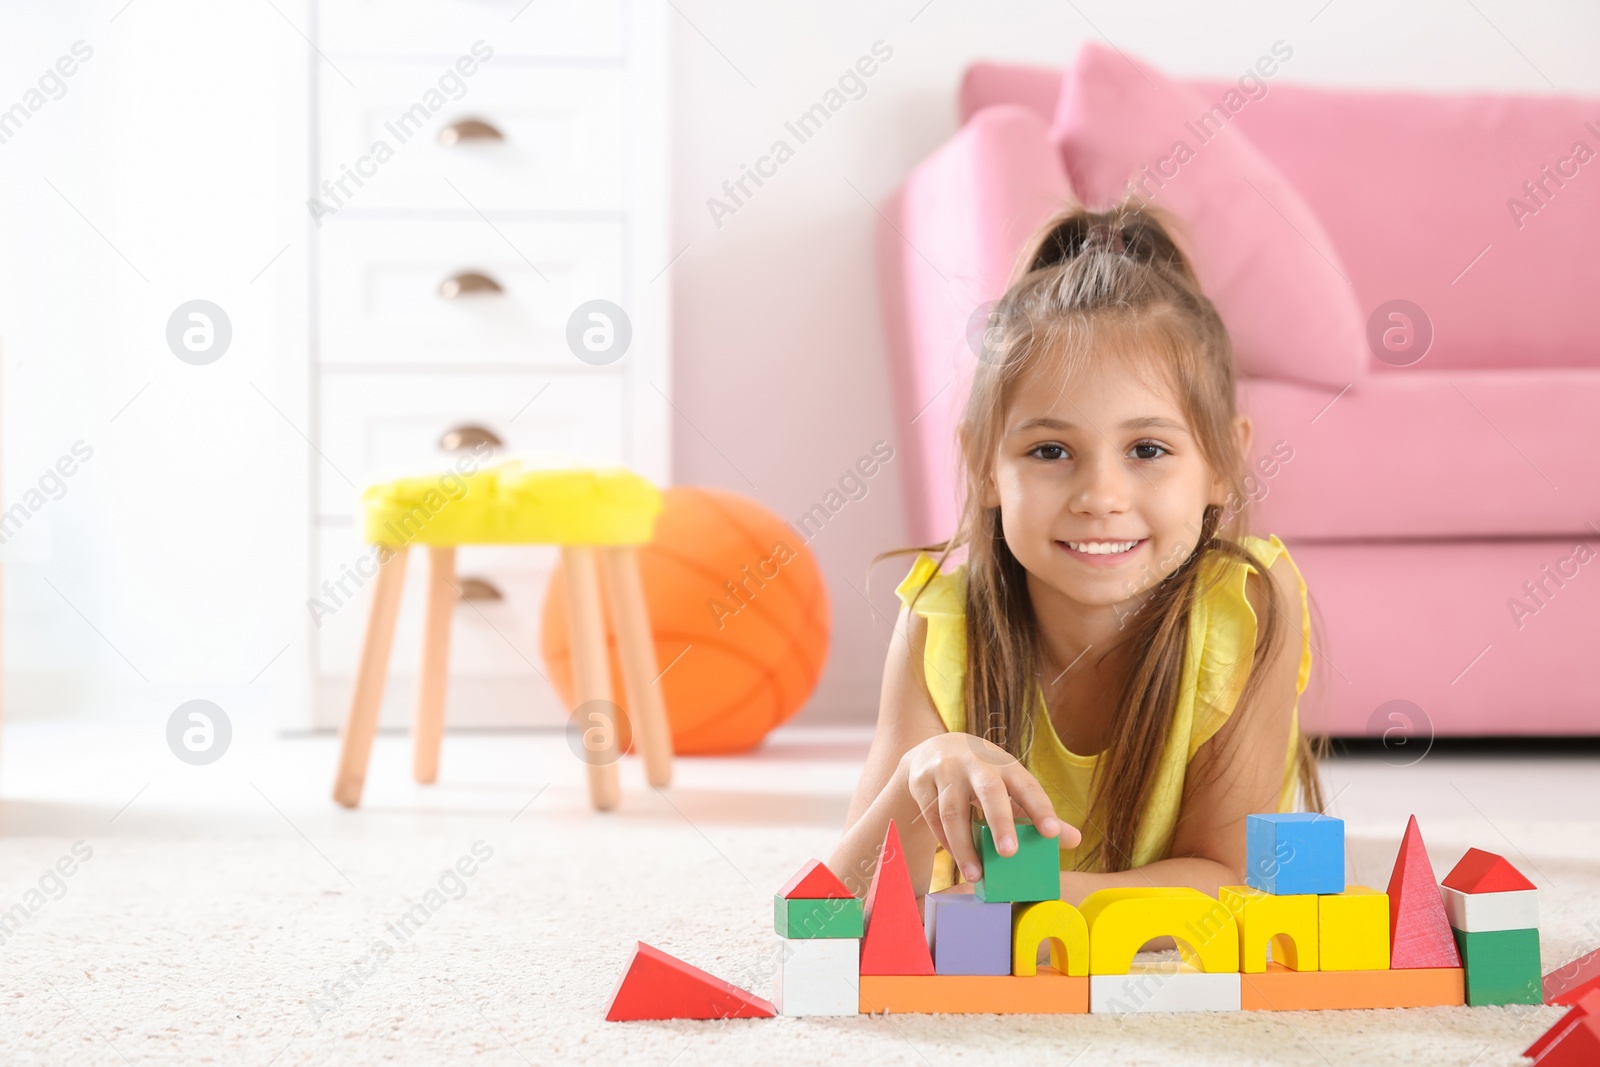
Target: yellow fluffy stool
(598,517)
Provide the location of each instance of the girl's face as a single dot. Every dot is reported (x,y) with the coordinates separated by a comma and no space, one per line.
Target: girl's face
(1101,485)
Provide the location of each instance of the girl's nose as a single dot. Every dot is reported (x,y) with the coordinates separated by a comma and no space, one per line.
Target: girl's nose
(1102,489)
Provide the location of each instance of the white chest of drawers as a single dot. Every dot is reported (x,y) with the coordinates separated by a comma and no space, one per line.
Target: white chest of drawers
(480,168)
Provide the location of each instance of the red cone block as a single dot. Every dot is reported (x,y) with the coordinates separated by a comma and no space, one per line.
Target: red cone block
(894,941)
(655,985)
(1419,931)
(814,882)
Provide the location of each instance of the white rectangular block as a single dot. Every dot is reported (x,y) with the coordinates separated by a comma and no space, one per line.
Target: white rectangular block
(1164,986)
(819,976)
(1474,913)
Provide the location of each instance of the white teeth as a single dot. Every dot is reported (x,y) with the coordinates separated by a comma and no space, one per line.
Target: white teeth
(1101,548)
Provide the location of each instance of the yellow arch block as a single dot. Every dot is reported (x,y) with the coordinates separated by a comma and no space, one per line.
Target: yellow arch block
(1288,923)
(509,503)
(1063,924)
(1121,920)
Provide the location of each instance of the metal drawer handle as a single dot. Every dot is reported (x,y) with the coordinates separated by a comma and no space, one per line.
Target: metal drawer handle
(469,283)
(469,130)
(460,438)
(479,589)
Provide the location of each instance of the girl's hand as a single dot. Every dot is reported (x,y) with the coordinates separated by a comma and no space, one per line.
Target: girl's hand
(945,774)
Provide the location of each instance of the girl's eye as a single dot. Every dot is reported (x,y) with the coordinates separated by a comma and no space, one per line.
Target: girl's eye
(1158,449)
(1047,448)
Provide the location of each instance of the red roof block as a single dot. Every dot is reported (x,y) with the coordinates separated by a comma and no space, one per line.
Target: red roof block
(814,881)
(1586,1007)
(655,985)
(1484,872)
(1419,931)
(1576,1046)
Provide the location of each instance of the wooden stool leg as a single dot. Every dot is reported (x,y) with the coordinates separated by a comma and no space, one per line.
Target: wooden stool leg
(362,724)
(429,728)
(591,669)
(636,647)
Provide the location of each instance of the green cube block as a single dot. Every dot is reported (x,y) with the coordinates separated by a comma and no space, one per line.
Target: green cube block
(837,917)
(1502,966)
(1030,874)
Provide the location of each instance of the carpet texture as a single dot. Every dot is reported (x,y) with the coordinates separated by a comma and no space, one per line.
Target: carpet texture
(363,950)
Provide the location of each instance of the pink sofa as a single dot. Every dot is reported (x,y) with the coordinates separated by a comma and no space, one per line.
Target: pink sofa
(1437,510)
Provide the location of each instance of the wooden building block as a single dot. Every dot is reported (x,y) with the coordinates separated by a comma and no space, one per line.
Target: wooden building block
(655,985)
(819,976)
(1121,920)
(1585,1006)
(967,935)
(814,881)
(1064,926)
(1170,986)
(1567,983)
(1476,913)
(1484,872)
(1577,1045)
(1353,930)
(1286,924)
(1031,873)
(1419,930)
(1502,966)
(1281,989)
(826,917)
(893,941)
(1294,852)
(1046,993)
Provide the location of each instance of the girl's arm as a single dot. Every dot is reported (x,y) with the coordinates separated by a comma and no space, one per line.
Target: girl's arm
(927,780)
(1238,772)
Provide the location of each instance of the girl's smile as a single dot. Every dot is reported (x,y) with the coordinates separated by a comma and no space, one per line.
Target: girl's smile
(1103,553)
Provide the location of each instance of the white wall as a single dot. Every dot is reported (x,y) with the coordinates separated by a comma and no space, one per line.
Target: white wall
(780,353)
(173,564)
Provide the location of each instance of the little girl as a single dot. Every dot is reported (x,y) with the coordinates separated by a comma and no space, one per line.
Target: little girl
(1116,660)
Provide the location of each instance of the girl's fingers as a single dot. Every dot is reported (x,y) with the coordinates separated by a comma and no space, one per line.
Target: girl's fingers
(996,804)
(955,812)
(927,801)
(1035,803)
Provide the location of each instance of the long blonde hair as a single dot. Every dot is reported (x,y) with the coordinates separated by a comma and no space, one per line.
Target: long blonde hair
(1087,280)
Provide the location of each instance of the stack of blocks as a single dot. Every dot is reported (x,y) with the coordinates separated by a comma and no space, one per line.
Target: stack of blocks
(820,923)
(1494,914)
(1294,937)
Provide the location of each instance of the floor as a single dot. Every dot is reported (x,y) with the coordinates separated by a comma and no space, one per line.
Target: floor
(231,913)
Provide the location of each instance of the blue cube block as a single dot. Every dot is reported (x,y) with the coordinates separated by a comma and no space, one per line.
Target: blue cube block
(967,935)
(1301,852)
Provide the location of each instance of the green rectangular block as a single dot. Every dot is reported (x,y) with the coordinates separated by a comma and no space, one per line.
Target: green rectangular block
(839,917)
(1032,873)
(1502,966)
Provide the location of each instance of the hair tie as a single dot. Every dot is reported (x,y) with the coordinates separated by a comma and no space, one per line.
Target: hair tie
(1101,235)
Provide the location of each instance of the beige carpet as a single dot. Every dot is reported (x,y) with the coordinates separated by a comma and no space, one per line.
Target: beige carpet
(227,951)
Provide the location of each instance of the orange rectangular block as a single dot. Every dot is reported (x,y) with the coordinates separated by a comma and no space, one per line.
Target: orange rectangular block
(1047,993)
(1281,989)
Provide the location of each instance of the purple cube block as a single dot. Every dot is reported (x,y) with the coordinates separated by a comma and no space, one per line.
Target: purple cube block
(967,935)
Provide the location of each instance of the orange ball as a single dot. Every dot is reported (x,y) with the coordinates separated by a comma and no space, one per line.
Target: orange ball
(739,613)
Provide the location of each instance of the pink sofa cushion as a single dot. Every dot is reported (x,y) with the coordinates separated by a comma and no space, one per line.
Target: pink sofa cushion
(1475,454)
(1259,251)
(1421,191)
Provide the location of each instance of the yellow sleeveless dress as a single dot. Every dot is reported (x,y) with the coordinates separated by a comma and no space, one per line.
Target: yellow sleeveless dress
(1221,646)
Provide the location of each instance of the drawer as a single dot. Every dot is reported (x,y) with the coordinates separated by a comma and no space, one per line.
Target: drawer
(374,427)
(516,29)
(382,300)
(561,144)
(489,638)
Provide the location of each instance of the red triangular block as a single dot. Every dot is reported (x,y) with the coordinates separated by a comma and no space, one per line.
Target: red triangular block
(1587,1006)
(894,941)
(1567,983)
(1484,872)
(1419,931)
(1576,1046)
(655,985)
(814,882)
